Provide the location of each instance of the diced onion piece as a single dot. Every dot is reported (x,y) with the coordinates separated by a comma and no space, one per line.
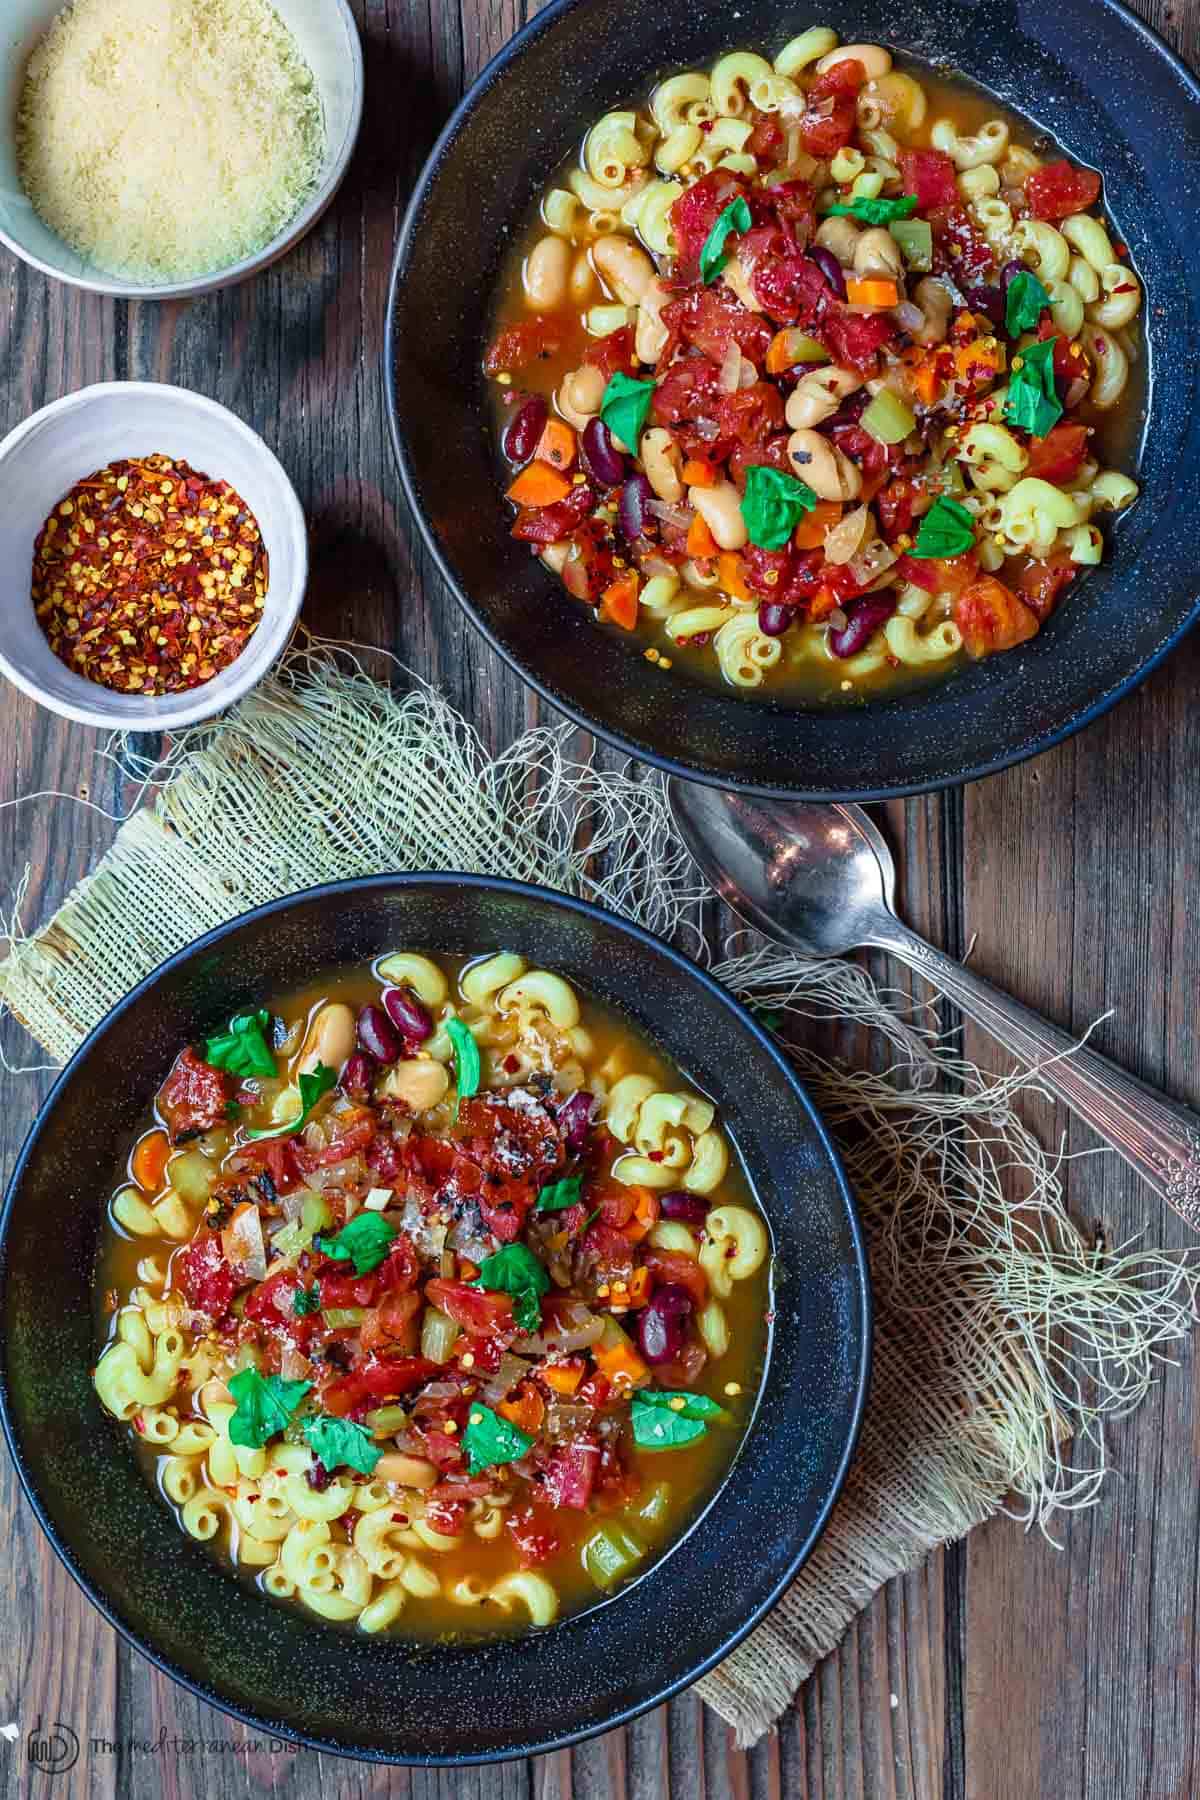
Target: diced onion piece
(509,1371)
(887,418)
(908,316)
(242,1243)
(729,380)
(871,562)
(847,535)
(378,1199)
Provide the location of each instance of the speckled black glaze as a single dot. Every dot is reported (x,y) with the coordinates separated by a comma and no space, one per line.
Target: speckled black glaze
(1089,72)
(281,1669)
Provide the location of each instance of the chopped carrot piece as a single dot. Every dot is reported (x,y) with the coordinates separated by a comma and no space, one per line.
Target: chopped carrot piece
(527,1411)
(620,1362)
(700,540)
(981,359)
(926,382)
(564,1378)
(698,473)
(619,602)
(467,1270)
(150,1161)
(729,571)
(556,445)
(644,1217)
(539,485)
(810,532)
(639,1286)
(823,602)
(874,291)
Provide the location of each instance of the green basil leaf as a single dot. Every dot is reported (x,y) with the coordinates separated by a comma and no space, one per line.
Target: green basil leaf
(1032,404)
(773,505)
(715,254)
(306,1300)
(365,1241)
(466,1062)
(264,1406)
(624,407)
(242,1050)
(341,1441)
(663,1420)
(516,1270)
(560,1194)
(311,1089)
(1024,303)
(874,212)
(489,1439)
(946,530)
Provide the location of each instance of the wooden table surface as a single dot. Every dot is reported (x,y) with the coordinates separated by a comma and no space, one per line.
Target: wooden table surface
(1005,1669)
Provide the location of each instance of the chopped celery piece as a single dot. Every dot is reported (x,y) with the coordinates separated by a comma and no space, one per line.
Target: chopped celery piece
(887,418)
(191,1175)
(315,1214)
(655,1507)
(950,481)
(610,1553)
(386,1420)
(915,239)
(339,1318)
(292,1239)
(805,349)
(437,1335)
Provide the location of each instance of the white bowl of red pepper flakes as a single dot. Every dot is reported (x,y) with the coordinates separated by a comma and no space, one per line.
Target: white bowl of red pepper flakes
(154,556)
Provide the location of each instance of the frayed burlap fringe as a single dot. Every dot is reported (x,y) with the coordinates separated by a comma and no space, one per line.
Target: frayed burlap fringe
(1003,1341)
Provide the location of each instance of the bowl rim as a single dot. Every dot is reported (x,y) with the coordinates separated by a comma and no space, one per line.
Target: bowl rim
(542,22)
(299,226)
(276,624)
(108,1609)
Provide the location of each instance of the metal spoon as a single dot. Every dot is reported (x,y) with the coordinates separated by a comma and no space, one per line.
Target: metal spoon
(821,879)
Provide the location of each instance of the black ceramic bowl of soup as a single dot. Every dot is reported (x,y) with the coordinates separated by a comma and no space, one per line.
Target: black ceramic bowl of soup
(1083,80)
(418,1697)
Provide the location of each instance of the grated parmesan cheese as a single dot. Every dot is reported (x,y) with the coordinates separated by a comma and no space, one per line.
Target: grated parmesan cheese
(165,139)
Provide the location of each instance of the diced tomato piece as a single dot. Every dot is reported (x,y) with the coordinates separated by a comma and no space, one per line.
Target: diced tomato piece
(1042,582)
(392,1322)
(792,290)
(571,1473)
(789,576)
(954,573)
(588,570)
(713,318)
(194,1096)
(277,1157)
(532,1531)
(271,1301)
(895,506)
(348,1138)
(794,204)
(384,1159)
(829,120)
(1069,360)
(772,453)
(1059,455)
(207,1279)
(751,415)
(1058,189)
(683,1370)
(607,1251)
(931,176)
(958,249)
(673,1268)
(612,352)
(918,570)
(338,1289)
(523,343)
(447,1516)
(616,1204)
(992,618)
(378,1380)
(696,212)
(400,1268)
(444,1451)
(475,1309)
(551,524)
(688,390)
(766,139)
(855,339)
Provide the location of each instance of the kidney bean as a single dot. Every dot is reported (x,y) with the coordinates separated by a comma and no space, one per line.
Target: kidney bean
(523,430)
(1009,272)
(575,1117)
(407,1014)
(830,268)
(632,515)
(689,1209)
(662,1322)
(358,1076)
(987,300)
(863,619)
(378,1036)
(774,617)
(600,455)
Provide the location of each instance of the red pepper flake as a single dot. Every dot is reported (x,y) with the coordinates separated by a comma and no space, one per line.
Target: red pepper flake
(149,578)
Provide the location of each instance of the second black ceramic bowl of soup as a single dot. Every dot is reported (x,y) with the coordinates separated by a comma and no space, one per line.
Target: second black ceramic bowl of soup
(272,1664)
(1105,90)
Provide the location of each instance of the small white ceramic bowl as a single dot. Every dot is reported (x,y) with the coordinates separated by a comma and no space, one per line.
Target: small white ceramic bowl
(41,461)
(327,35)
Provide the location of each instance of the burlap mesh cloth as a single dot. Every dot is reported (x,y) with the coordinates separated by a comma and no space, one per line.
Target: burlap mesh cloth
(1000,1345)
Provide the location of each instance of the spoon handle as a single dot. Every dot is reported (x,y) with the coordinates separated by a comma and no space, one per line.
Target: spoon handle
(1156,1136)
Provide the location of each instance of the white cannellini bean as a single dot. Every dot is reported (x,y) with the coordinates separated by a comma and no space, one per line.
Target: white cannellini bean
(626,269)
(547,270)
(721,509)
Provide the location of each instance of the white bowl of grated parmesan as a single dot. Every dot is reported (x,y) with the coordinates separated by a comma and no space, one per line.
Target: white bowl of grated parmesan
(159,149)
